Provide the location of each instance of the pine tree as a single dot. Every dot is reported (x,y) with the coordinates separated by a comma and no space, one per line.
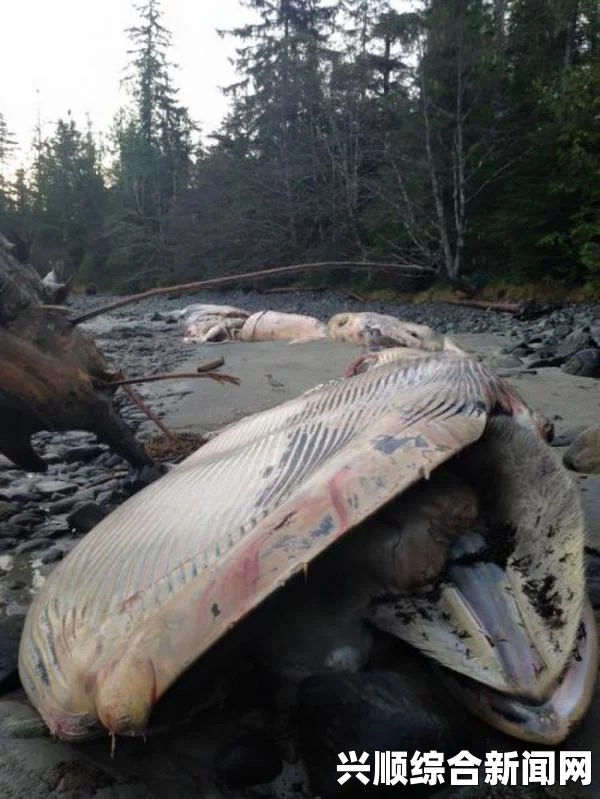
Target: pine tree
(277,105)
(152,140)
(68,189)
(7,147)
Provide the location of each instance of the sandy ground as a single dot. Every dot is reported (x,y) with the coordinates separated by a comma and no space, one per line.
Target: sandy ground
(270,373)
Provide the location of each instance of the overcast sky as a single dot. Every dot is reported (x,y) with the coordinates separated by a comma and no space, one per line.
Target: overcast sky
(61,55)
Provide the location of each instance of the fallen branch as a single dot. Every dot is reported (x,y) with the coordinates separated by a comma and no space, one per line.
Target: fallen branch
(408,270)
(202,371)
(209,366)
(529,309)
(177,376)
(353,295)
(293,289)
(116,475)
(501,307)
(61,308)
(137,400)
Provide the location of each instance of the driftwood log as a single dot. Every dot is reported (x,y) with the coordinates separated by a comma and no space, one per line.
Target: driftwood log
(52,376)
(404,271)
(528,309)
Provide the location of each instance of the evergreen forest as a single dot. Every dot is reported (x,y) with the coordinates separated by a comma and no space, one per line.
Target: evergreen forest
(461,135)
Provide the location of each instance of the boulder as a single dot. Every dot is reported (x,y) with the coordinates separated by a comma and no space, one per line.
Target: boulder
(583,455)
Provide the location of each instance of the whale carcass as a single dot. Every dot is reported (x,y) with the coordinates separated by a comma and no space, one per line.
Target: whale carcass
(414,500)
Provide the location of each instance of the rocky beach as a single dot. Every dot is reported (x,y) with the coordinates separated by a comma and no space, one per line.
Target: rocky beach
(552,361)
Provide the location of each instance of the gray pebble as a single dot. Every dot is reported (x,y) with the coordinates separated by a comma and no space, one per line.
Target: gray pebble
(83,454)
(63,505)
(26,518)
(567,437)
(87,516)
(51,487)
(34,545)
(54,527)
(7,509)
(53,555)
(577,340)
(585,363)
(8,530)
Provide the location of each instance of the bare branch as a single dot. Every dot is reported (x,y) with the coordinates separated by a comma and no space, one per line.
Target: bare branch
(405,269)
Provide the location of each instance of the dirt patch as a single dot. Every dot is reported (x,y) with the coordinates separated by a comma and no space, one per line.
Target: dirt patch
(173,449)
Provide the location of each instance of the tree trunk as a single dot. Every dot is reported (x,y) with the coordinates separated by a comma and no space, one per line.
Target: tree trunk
(500,23)
(436,188)
(52,376)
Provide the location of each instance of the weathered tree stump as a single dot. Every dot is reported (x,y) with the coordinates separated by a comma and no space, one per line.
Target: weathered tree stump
(52,375)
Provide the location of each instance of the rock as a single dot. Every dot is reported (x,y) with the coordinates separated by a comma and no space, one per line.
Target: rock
(548,351)
(8,530)
(373,711)
(107,486)
(39,768)
(589,488)
(592,568)
(51,487)
(70,468)
(535,362)
(7,509)
(251,759)
(577,340)
(82,496)
(18,719)
(518,345)
(34,545)
(140,478)
(568,436)
(53,555)
(77,437)
(63,505)
(585,363)
(110,461)
(6,544)
(10,635)
(21,492)
(27,518)
(521,351)
(85,517)
(505,362)
(83,454)
(52,528)
(561,332)
(105,497)
(584,453)
(52,456)
(123,332)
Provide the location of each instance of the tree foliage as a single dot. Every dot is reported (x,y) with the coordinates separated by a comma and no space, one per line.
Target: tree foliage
(462,135)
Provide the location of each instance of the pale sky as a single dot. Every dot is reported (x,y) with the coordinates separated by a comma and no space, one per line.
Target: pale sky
(61,55)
